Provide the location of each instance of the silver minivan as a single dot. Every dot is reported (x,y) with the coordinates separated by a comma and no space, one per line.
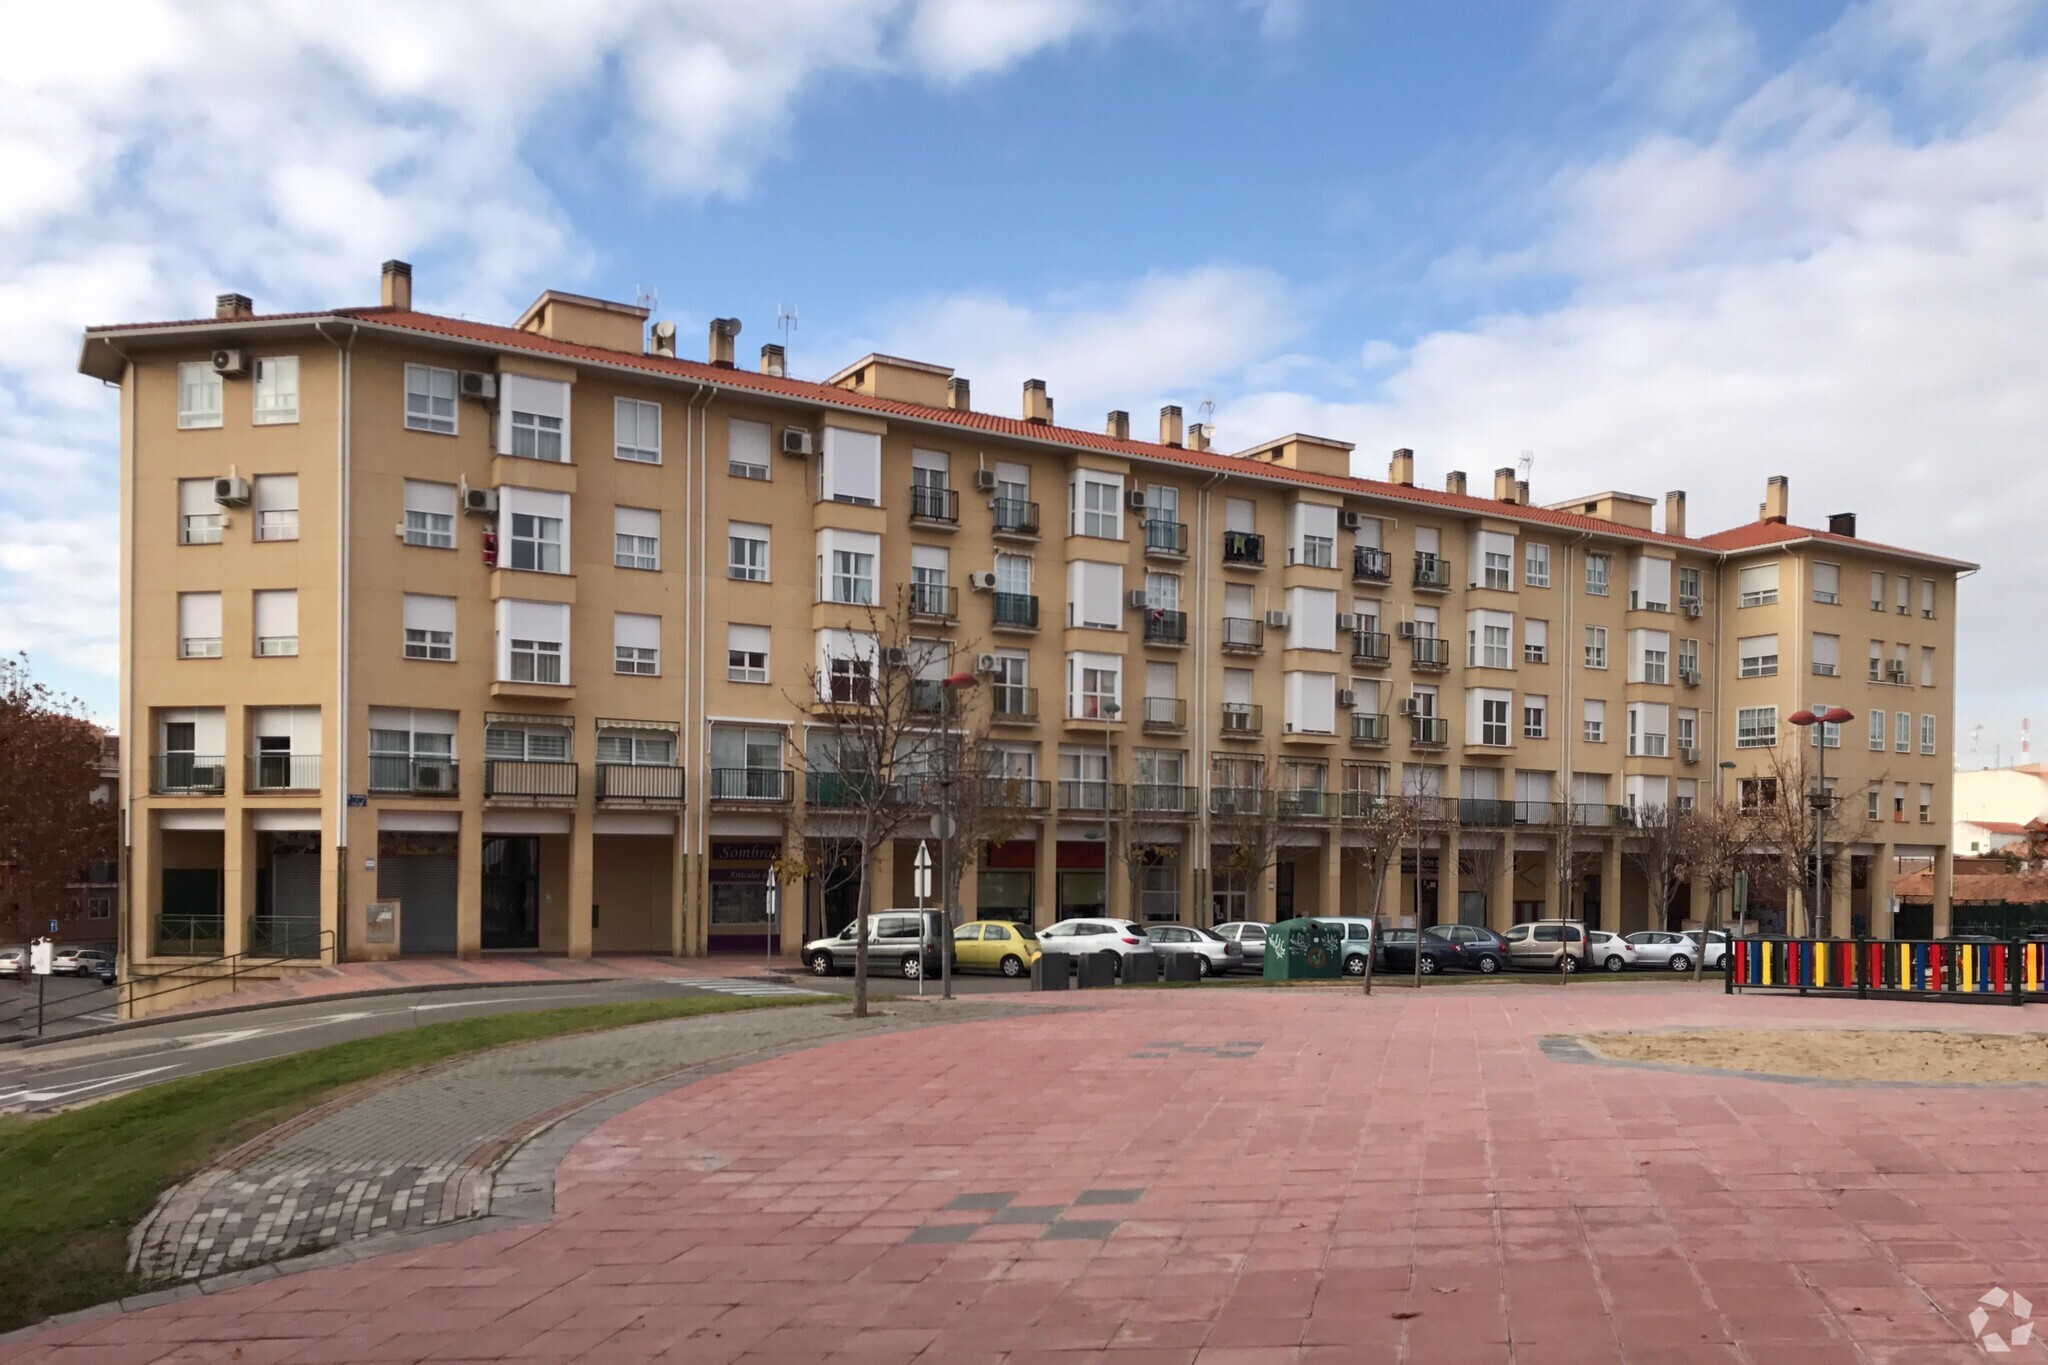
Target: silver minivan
(1357,941)
(905,942)
(1541,944)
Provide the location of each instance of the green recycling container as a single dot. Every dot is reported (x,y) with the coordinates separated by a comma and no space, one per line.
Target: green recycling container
(1304,950)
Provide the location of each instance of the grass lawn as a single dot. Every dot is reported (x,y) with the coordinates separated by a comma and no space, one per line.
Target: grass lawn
(73,1184)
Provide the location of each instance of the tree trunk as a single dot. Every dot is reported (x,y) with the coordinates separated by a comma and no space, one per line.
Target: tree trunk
(862,904)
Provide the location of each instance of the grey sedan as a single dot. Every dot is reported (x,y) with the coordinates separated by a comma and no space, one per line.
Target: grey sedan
(1215,954)
(1250,938)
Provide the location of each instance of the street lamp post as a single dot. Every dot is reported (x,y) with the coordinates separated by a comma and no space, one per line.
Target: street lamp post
(1818,799)
(958,682)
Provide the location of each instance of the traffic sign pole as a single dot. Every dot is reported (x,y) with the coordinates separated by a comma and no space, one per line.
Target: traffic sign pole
(921,883)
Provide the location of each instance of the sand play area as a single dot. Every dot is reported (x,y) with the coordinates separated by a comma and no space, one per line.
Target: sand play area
(1839,1054)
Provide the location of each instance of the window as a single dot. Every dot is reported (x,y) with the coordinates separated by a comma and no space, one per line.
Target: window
(198,513)
(1877,592)
(535,543)
(1904,593)
(1309,702)
(1927,598)
(1493,718)
(1095,595)
(1649,584)
(1827,650)
(1872,802)
(1013,575)
(1927,665)
(1599,569)
(1902,733)
(1757,586)
(429,624)
(1688,795)
(276,497)
(1596,722)
(846,666)
(746,654)
(1315,535)
(1162,592)
(1877,730)
(1687,733)
(199,625)
(929,566)
(1536,565)
(1689,593)
(636,430)
(1876,660)
(636,538)
(1535,642)
(746,449)
(1311,618)
(746,551)
(1649,732)
(1756,727)
(1756,656)
(636,644)
(1596,646)
(533,418)
(1689,660)
(199,391)
(1535,717)
(1756,793)
(275,612)
(1493,560)
(405,744)
(1927,734)
(1827,735)
(430,399)
(1489,639)
(1094,686)
(276,391)
(1827,583)
(537,743)
(850,467)
(430,514)
(533,640)
(642,748)
(1096,505)
(846,566)
(1898,801)
(1649,656)
(1926,803)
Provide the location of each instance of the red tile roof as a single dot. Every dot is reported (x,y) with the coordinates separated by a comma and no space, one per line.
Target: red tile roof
(1756,535)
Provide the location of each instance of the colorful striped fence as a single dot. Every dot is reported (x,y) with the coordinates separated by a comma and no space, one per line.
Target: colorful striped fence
(2000,973)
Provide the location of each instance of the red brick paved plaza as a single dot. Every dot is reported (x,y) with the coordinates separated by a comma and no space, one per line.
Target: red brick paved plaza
(1223,1176)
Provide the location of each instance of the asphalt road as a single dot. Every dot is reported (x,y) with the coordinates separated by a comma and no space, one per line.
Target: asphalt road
(71,1002)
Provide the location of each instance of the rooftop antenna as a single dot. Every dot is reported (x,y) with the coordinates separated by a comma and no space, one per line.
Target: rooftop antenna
(1525,464)
(785,319)
(647,297)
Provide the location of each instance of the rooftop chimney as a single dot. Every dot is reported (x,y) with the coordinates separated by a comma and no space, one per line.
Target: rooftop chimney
(397,286)
(958,396)
(774,360)
(1504,484)
(233,306)
(1842,524)
(1119,424)
(1777,498)
(1522,491)
(1674,513)
(1169,426)
(1198,436)
(662,339)
(723,330)
(1402,470)
(1037,402)
(1454,482)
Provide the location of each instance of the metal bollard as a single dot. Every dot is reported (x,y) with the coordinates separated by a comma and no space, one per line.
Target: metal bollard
(1097,970)
(1140,968)
(1050,972)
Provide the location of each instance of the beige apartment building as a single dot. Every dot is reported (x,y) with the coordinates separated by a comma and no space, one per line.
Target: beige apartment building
(445,637)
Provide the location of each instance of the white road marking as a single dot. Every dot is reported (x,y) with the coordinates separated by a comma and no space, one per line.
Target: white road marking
(65,1092)
(472,1004)
(725,985)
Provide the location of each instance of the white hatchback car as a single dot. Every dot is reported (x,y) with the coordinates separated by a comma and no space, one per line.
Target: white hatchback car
(1661,948)
(1080,937)
(1612,951)
(1717,947)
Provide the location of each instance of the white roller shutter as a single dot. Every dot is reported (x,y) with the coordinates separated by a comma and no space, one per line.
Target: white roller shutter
(198,615)
(850,469)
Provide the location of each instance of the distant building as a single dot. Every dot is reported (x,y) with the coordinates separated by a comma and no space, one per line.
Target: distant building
(1994,805)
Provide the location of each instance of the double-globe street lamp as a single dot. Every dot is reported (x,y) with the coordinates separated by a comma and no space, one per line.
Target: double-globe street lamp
(1818,800)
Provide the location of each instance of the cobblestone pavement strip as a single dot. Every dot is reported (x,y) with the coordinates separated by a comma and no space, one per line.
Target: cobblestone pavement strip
(1402,1180)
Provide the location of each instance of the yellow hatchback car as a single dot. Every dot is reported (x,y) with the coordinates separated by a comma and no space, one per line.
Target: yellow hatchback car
(994,945)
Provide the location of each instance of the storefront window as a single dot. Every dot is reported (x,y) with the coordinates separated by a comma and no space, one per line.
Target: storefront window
(1004,895)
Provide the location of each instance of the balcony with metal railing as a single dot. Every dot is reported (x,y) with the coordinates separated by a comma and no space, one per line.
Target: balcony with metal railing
(1166,539)
(1014,518)
(1371,566)
(1240,802)
(1015,793)
(529,779)
(934,602)
(1485,813)
(1165,715)
(643,784)
(838,790)
(1242,635)
(1429,653)
(283,773)
(1244,550)
(1371,648)
(1084,797)
(1162,799)
(1306,804)
(1012,704)
(1428,732)
(1014,611)
(1243,718)
(1370,728)
(1360,805)
(751,787)
(1432,572)
(1166,627)
(182,774)
(932,505)
(413,775)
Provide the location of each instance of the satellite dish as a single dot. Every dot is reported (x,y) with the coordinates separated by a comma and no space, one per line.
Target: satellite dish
(664,330)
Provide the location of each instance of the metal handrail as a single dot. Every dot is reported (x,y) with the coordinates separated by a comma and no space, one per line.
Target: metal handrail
(237,965)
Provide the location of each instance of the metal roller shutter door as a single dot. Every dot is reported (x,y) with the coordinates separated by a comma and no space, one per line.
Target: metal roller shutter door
(425,891)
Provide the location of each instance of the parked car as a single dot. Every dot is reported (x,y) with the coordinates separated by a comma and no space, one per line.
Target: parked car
(1480,949)
(1358,940)
(77,961)
(1612,951)
(1664,949)
(1541,944)
(994,945)
(1250,937)
(14,962)
(104,970)
(1118,937)
(1214,954)
(1398,947)
(907,942)
(1717,947)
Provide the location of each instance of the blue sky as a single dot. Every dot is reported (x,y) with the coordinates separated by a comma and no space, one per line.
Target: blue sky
(1681,243)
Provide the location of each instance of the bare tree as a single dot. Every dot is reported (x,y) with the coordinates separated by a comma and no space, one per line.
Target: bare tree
(1655,845)
(983,804)
(51,825)
(1373,831)
(1716,839)
(1246,819)
(1152,815)
(1569,821)
(1793,817)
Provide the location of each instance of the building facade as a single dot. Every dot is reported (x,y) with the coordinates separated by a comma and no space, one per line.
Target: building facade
(445,637)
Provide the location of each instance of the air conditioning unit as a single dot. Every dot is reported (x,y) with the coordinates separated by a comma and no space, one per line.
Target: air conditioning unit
(1353,521)
(796,441)
(1687,754)
(1895,673)
(1692,609)
(230,364)
(1277,620)
(984,481)
(896,657)
(1689,676)
(1135,499)
(984,581)
(1135,599)
(480,502)
(477,385)
(1347,620)
(1346,699)
(231,491)
(433,777)
(984,664)
(1406,630)
(1411,706)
